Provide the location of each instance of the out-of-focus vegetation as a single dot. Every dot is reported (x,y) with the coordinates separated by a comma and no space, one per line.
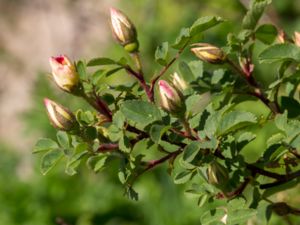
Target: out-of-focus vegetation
(27,197)
(85,199)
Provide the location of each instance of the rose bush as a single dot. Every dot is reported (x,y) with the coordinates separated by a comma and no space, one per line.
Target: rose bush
(195,120)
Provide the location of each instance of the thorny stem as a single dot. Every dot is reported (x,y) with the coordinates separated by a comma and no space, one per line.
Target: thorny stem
(257,170)
(239,190)
(141,80)
(257,92)
(95,101)
(166,67)
(153,163)
(182,134)
(103,106)
(98,104)
(107,147)
(280,178)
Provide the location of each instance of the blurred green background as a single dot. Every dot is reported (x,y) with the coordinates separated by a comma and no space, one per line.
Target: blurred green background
(33,30)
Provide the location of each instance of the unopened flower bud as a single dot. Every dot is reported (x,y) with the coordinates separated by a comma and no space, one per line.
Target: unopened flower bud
(281,37)
(123,30)
(179,82)
(217,175)
(297,38)
(209,53)
(246,66)
(171,99)
(59,116)
(64,73)
(224,219)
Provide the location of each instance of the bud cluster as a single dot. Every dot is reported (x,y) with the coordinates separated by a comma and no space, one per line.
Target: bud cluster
(67,78)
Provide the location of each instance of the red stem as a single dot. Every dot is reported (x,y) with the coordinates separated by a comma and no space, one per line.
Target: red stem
(107,147)
(248,77)
(162,72)
(239,190)
(153,163)
(142,82)
(104,107)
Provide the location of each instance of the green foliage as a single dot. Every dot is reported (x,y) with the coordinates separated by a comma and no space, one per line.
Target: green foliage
(45,144)
(136,126)
(161,53)
(266,33)
(140,112)
(280,52)
(256,10)
(50,159)
(101,61)
(204,23)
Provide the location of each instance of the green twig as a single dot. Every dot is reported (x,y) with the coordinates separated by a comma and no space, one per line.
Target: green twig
(138,63)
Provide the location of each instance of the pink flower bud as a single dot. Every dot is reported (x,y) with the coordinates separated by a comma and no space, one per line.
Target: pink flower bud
(64,73)
(59,116)
(171,99)
(123,30)
(297,38)
(209,53)
(246,66)
(179,82)
(281,36)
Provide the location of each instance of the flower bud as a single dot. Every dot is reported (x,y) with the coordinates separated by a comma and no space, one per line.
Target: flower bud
(209,53)
(171,99)
(297,38)
(281,37)
(224,219)
(217,175)
(59,116)
(246,66)
(179,82)
(64,73)
(123,30)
